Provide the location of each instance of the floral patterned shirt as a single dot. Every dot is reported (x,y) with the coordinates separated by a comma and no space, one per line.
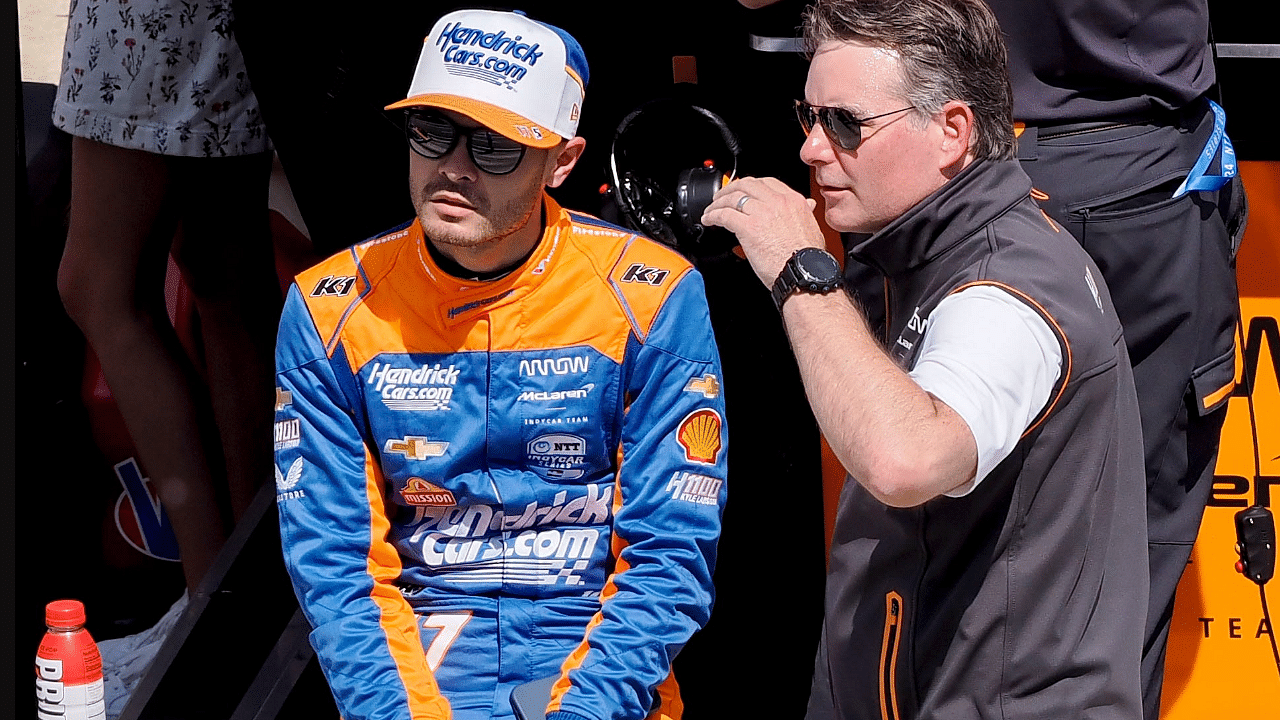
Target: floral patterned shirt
(164,76)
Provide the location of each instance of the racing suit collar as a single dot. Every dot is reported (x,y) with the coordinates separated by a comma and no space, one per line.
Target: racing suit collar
(469,299)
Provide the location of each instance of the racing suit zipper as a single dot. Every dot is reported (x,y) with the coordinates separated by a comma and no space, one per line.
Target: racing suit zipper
(889,656)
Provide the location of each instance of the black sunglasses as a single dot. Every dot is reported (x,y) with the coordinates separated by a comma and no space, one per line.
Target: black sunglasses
(841,125)
(432,135)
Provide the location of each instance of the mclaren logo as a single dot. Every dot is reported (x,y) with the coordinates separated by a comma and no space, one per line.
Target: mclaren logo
(416,448)
(707,385)
(556,395)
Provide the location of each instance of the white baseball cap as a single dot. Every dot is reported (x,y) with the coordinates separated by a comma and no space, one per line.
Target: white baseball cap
(522,78)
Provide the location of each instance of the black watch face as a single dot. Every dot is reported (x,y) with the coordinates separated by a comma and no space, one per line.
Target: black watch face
(817,266)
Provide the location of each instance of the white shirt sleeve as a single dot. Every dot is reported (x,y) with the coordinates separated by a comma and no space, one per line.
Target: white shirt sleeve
(994,361)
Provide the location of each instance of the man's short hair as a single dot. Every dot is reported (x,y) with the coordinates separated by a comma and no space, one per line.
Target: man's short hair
(948,50)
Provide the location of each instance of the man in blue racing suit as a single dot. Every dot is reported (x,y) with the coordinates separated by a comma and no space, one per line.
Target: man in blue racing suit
(500,438)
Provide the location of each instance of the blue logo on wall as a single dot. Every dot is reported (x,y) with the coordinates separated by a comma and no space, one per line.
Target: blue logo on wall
(141,518)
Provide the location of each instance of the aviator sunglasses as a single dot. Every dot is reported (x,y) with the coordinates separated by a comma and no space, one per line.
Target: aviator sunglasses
(841,125)
(432,135)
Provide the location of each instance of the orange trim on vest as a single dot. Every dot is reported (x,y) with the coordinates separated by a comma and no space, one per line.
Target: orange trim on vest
(888,685)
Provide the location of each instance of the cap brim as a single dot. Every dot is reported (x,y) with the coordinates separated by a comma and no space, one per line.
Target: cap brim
(504,122)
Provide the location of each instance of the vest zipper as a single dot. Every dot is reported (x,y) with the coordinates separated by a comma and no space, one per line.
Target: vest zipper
(889,656)
(888,319)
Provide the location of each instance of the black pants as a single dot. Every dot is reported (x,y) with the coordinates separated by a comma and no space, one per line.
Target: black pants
(1170,266)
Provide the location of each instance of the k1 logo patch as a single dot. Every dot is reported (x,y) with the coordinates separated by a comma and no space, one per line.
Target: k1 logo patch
(337,285)
(641,273)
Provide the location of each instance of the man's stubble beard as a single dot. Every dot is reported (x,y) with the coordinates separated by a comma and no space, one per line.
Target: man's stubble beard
(494,225)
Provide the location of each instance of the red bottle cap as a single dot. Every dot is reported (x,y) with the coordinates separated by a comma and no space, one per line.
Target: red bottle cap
(64,613)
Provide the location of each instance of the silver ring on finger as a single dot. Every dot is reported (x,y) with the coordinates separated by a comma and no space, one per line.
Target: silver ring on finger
(742,201)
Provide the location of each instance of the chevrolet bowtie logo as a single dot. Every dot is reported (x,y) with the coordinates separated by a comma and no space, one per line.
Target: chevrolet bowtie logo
(416,448)
(283,397)
(708,385)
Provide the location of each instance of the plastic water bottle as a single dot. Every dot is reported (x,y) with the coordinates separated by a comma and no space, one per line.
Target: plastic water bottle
(68,667)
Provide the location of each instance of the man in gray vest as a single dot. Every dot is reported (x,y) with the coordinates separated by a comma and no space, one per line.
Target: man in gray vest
(989,554)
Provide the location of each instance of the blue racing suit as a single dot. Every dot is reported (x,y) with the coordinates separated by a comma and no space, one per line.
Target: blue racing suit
(485,483)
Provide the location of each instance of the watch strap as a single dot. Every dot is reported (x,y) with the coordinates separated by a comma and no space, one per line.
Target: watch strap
(791,280)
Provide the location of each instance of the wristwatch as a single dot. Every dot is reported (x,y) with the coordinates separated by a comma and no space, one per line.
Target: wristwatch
(810,270)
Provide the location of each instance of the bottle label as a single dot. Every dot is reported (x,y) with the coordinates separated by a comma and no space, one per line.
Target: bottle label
(69,682)
(71,702)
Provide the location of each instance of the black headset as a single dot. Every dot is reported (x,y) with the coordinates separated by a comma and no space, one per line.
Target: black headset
(671,215)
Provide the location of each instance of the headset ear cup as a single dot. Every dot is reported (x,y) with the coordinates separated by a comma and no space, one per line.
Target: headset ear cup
(695,189)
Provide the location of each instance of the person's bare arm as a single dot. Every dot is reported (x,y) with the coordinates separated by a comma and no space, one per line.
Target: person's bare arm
(895,439)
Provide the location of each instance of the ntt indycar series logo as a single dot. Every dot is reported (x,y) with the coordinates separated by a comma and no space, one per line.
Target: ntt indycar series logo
(418,388)
(558,456)
(489,56)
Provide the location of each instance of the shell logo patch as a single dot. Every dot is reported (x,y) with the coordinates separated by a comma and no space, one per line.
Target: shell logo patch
(421,493)
(699,435)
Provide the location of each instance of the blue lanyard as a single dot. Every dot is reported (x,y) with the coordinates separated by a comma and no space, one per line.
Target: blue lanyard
(1196,179)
